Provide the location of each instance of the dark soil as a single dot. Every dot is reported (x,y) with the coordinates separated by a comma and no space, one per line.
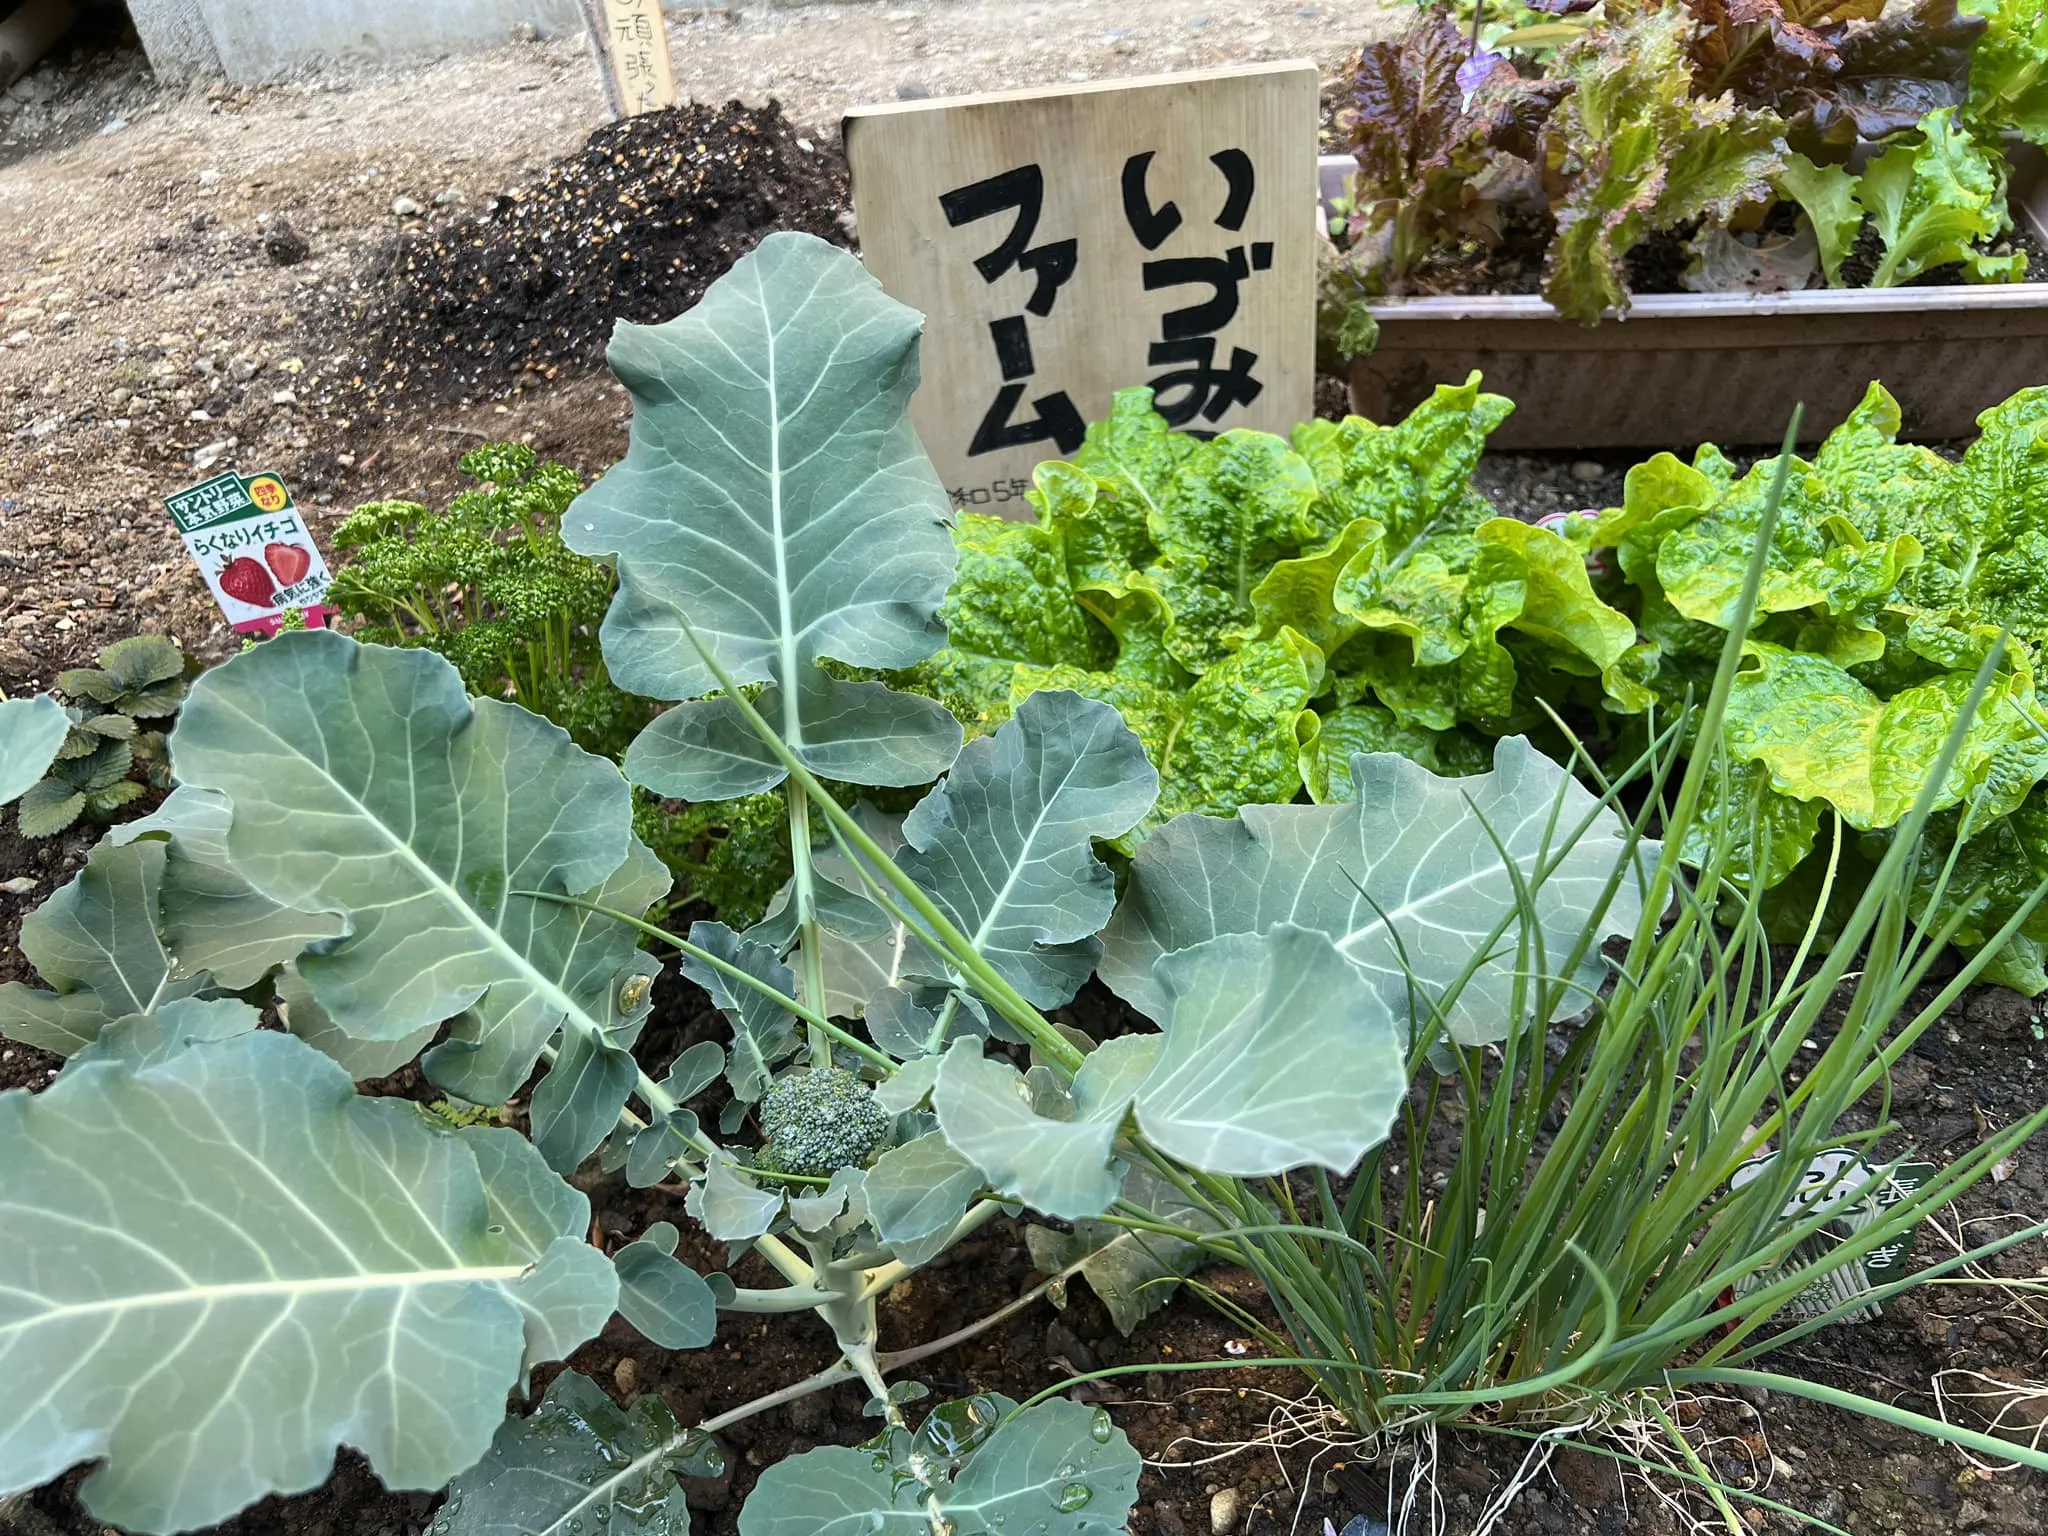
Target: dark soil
(635,226)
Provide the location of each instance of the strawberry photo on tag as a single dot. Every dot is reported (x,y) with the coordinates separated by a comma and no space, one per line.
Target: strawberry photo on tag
(253,548)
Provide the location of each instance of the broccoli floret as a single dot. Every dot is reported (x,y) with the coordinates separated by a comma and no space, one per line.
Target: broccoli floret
(820,1121)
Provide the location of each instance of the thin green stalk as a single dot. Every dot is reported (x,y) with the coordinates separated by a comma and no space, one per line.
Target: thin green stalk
(803,896)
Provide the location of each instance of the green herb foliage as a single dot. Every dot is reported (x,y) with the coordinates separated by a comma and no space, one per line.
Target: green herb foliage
(489,584)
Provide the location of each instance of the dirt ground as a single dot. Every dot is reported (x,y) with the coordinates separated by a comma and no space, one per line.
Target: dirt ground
(149,333)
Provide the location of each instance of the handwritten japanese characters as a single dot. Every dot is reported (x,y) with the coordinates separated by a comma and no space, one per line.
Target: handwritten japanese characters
(256,553)
(632,47)
(1065,244)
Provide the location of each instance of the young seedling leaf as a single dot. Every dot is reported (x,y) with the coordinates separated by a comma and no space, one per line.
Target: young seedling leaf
(299,1267)
(775,497)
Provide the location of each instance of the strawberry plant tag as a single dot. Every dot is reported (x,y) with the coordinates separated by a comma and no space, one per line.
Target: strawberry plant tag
(254,550)
(1855,1197)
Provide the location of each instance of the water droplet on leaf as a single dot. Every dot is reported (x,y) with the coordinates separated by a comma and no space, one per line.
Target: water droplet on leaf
(1101,1426)
(1072,1497)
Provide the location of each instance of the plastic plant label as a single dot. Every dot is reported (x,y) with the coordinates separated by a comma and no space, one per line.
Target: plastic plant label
(253,548)
(1854,1196)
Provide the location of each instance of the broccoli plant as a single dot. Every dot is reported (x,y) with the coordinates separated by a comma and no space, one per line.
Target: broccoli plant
(218,1247)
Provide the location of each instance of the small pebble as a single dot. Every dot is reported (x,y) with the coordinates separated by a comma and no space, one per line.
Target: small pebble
(114,125)
(1586,472)
(406,208)
(1224,1509)
(625,1375)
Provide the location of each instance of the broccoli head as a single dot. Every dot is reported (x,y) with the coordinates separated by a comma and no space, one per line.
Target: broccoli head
(820,1121)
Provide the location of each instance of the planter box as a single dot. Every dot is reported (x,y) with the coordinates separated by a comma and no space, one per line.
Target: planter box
(1719,367)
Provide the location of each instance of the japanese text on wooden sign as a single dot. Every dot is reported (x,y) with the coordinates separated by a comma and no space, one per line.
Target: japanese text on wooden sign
(253,548)
(632,47)
(1065,244)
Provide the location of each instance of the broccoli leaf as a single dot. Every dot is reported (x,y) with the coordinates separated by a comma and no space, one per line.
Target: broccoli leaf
(1408,877)
(579,1463)
(364,783)
(96,943)
(1058,1469)
(1003,843)
(775,499)
(305,1268)
(31,731)
(1933,200)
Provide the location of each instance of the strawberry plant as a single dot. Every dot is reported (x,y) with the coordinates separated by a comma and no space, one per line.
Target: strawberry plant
(105,745)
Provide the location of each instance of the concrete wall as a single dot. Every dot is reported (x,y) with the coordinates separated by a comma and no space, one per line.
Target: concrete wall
(253,40)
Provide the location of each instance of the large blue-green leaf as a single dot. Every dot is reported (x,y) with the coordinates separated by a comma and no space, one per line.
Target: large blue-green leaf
(1057,1469)
(212,919)
(578,1465)
(1003,844)
(221,1267)
(1408,879)
(31,731)
(1133,1273)
(775,500)
(1276,1052)
(144,1039)
(364,782)
(1060,1166)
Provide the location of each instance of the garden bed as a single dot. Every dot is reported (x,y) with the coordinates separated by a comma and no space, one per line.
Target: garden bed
(1983,1065)
(1724,367)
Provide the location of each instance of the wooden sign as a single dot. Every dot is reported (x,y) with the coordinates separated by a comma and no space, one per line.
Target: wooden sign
(632,47)
(1065,244)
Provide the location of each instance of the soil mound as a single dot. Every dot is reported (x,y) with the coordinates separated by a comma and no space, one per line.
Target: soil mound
(635,226)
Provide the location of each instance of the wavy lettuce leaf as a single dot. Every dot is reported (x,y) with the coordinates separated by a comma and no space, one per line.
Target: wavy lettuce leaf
(1638,152)
(2009,69)
(1934,201)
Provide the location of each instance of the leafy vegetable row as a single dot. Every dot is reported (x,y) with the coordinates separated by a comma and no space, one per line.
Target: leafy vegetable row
(1260,609)
(1694,116)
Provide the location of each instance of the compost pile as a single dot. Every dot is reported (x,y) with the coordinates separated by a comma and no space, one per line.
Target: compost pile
(636,225)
